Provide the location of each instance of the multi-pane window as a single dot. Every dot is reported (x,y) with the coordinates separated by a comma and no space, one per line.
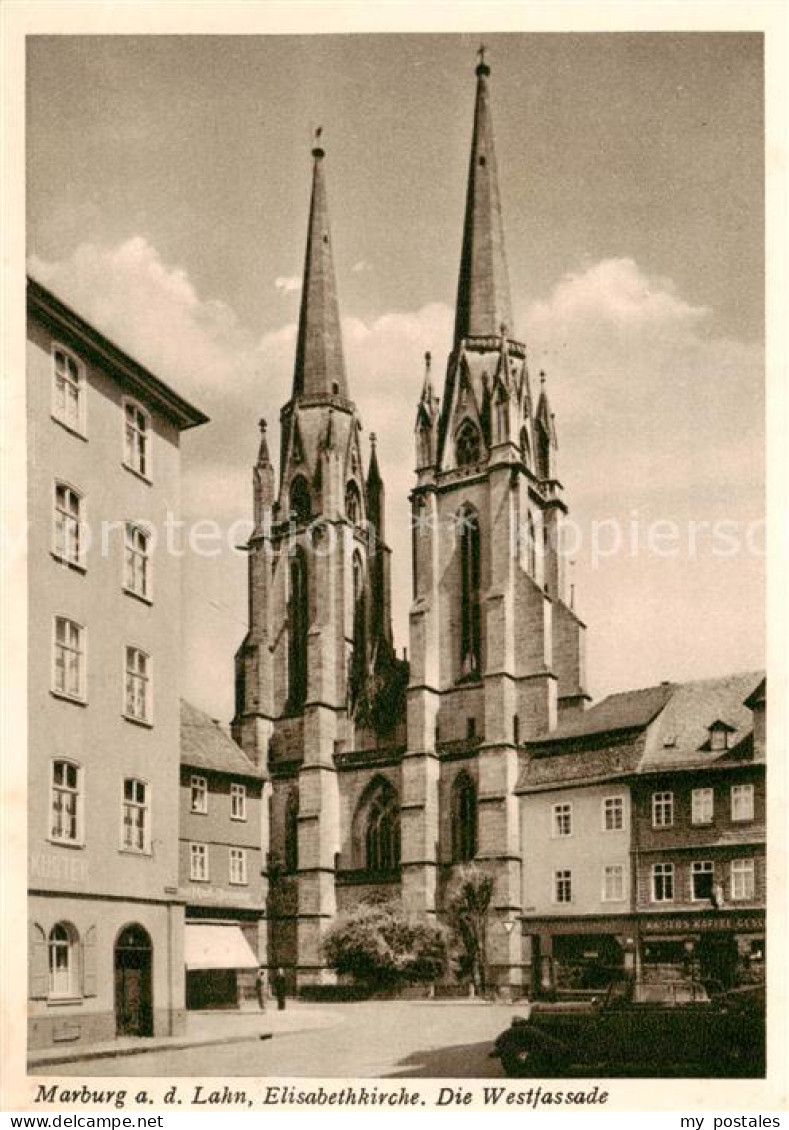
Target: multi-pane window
(62,961)
(663,882)
(742,879)
(702,806)
(238,865)
(701,880)
(67,534)
(68,390)
(65,825)
(238,802)
(199,792)
(136,824)
(614,882)
(198,863)
(662,810)
(138,685)
(742,802)
(613,814)
(137,439)
(137,561)
(69,658)
(562,820)
(563,886)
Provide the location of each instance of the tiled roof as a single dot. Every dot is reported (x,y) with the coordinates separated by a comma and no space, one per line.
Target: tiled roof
(681,735)
(644,731)
(205,745)
(627,710)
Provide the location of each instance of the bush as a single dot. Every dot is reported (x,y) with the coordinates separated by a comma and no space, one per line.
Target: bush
(379,945)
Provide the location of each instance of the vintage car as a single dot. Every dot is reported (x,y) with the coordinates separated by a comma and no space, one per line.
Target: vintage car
(647,1030)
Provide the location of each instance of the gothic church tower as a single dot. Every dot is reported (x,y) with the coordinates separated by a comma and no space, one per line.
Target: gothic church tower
(319,613)
(496,652)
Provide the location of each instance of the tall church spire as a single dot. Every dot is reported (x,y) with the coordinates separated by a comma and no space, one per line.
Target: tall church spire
(320,367)
(483,301)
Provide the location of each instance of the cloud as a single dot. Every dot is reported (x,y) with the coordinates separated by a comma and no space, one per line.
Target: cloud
(653,413)
(287,284)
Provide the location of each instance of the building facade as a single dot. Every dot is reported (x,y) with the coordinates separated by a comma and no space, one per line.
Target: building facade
(221,832)
(105,917)
(644,826)
(386,777)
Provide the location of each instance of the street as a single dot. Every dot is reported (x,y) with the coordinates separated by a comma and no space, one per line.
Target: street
(369,1039)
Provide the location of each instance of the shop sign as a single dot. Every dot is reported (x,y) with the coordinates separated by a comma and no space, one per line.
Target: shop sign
(719,922)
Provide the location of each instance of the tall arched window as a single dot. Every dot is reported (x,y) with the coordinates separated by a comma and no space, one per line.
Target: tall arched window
(298,627)
(300,501)
(502,429)
(292,831)
(531,547)
(468,444)
(63,960)
(378,827)
(544,452)
(358,656)
(353,503)
(470,577)
(464,818)
(526,448)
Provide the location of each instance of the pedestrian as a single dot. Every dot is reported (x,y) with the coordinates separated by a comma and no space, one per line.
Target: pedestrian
(260,986)
(279,987)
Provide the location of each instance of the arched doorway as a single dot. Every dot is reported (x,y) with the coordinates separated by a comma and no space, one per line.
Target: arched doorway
(133,982)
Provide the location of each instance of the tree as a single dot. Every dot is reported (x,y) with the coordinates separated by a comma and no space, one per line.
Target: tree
(467,914)
(379,945)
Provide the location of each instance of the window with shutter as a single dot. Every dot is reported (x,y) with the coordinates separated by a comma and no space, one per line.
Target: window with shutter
(89,963)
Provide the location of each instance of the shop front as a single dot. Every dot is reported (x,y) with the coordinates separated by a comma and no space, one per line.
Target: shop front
(221,966)
(722,950)
(578,957)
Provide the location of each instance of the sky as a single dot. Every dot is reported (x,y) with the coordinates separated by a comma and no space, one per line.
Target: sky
(167,199)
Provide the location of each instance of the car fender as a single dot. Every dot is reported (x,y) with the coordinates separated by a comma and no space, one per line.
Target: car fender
(526,1035)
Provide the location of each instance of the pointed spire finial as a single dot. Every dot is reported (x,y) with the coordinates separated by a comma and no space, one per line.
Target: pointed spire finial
(317,148)
(543,378)
(263,455)
(482,66)
(483,296)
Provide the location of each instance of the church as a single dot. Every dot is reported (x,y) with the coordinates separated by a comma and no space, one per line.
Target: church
(386,776)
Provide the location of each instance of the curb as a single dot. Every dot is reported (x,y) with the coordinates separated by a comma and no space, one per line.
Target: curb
(142,1049)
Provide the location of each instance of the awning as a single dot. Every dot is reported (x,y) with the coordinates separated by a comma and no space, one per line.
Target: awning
(217,947)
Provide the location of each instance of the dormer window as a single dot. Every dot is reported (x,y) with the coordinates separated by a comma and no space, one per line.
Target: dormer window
(720,736)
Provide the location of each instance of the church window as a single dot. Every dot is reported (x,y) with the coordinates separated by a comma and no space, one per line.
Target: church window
(298,627)
(501,416)
(464,818)
(353,504)
(380,828)
(470,612)
(544,451)
(292,832)
(359,635)
(525,448)
(531,547)
(300,502)
(467,448)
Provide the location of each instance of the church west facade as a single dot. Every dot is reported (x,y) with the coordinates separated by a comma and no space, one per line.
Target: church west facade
(385,777)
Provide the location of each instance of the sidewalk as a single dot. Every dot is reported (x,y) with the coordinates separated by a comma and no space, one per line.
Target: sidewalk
(202,1029)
